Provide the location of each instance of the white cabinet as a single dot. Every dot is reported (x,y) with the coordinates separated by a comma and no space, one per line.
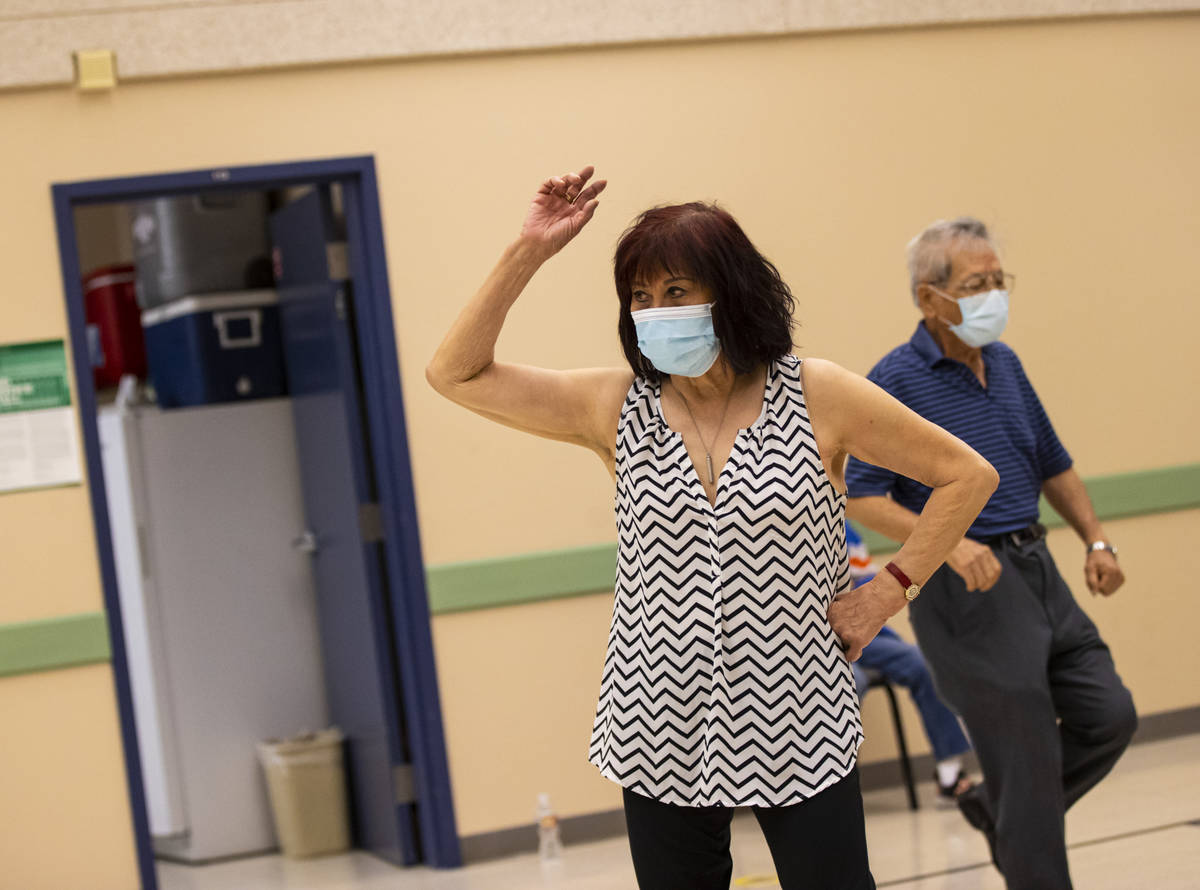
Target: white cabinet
(218,608)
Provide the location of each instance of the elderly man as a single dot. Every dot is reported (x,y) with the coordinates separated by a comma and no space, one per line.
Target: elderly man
(1010,649)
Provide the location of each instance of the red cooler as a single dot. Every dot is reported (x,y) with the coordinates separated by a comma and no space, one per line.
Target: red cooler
(114,325)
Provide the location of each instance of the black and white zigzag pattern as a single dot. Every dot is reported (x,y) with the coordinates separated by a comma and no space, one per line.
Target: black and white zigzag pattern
(723,683)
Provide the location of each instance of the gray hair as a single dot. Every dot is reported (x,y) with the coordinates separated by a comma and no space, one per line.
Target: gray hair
(929,253)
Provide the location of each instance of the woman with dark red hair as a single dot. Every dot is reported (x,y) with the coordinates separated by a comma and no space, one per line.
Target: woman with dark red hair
(727,680)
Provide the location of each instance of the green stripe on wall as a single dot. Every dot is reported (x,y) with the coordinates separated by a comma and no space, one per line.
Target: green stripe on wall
(1133,494)
(1115,497)
(487,583)
(53,643)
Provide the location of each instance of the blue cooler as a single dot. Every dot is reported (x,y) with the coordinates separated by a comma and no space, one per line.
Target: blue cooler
(223,347)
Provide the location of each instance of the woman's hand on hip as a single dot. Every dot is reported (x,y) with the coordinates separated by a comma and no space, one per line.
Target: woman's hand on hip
(560,209)
(857,615)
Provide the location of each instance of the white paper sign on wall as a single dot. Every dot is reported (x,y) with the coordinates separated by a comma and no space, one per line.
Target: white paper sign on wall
(39,444)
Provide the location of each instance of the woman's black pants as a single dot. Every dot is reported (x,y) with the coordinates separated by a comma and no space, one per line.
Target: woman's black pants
(818,844)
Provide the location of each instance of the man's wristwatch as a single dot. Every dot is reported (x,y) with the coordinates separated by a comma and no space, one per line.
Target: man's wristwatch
(911,591)
(1102,545)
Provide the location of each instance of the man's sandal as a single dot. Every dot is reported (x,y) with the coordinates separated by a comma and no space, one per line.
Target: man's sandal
(949,793)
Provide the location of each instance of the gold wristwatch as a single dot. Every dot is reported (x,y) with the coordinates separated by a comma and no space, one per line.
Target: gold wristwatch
(911,591)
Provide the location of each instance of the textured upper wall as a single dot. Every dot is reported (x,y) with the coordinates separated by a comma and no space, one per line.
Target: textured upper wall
(154,38)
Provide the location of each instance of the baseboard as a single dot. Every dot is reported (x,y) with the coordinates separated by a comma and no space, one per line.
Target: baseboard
(524,839)
(872,776)
(1167,725)
(888,774)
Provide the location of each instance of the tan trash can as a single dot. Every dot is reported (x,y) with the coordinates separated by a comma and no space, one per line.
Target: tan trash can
(306,781)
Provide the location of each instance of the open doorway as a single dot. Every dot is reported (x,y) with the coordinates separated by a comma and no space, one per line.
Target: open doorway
(321,550)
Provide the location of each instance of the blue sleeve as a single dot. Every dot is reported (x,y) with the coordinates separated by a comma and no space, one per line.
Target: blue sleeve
(1052,457)
(864,479)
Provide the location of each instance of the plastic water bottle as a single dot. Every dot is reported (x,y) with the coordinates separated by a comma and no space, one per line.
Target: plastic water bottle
(549,842)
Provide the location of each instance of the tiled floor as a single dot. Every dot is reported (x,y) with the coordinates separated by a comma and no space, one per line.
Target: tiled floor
(1140,828)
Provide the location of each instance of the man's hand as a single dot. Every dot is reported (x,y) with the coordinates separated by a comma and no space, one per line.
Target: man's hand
(857,616)
(975,564)
(1102,573)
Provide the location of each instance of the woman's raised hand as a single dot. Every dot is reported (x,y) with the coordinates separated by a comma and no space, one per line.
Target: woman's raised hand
(561,207)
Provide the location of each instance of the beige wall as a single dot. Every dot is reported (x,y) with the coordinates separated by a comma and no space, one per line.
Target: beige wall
(103,236)
(1074,139)
(64,813)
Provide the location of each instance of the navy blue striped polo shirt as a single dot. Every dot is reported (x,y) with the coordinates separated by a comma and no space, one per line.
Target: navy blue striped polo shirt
(1004,422)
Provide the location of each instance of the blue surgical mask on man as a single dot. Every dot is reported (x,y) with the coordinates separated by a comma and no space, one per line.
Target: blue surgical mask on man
(984,317)
(678,339)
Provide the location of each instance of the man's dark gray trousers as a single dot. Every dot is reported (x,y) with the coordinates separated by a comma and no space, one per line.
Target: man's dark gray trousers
(1035,685)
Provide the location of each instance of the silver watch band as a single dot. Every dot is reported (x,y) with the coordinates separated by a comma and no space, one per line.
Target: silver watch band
(1102,545)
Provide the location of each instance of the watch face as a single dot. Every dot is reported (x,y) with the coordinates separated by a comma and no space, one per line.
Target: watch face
(912,592)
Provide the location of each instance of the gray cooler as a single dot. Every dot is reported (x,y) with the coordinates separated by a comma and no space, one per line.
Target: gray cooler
(198,244)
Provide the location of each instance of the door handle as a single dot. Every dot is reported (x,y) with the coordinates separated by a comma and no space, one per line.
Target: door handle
(305,543)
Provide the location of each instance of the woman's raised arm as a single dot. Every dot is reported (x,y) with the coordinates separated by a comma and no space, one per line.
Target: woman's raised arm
(572,406)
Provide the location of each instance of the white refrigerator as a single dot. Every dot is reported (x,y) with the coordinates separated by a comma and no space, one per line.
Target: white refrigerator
(218,608)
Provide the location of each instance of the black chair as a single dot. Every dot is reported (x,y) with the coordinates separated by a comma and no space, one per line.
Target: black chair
(876,680)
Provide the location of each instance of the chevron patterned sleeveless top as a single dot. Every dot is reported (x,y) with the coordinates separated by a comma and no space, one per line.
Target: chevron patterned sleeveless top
(723,682)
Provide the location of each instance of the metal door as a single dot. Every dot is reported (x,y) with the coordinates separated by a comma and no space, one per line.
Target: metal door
(344,531)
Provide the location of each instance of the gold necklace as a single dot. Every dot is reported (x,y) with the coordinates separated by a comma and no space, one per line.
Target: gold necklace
(707,449)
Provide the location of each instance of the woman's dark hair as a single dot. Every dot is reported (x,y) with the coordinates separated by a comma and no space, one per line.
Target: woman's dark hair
(752,317)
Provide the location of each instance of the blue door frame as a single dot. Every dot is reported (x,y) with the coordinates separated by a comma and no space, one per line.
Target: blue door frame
(389,451)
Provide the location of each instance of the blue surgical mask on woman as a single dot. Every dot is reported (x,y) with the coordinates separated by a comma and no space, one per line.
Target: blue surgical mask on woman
(983,317)
(678,339)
